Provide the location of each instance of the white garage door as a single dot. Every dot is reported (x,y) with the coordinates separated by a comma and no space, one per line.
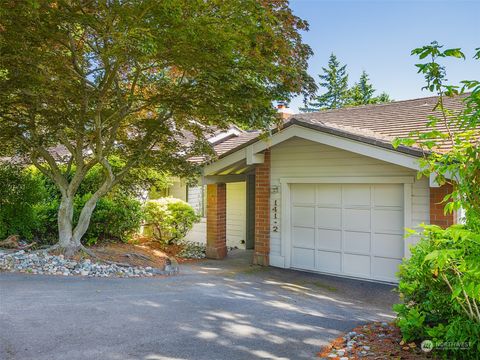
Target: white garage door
(348,229)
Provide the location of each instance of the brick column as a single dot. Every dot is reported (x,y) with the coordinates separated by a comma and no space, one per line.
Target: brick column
(437,217)
(262,211)
(216,221)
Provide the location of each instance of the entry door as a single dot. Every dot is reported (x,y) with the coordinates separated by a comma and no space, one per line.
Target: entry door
(348,229)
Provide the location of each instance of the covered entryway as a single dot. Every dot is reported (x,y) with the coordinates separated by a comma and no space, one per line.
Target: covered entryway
(348,229)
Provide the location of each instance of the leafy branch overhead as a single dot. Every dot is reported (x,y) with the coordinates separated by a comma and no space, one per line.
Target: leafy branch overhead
(451,138)
(138,80)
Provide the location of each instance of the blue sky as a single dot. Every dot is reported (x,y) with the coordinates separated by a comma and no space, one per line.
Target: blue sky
(377,36)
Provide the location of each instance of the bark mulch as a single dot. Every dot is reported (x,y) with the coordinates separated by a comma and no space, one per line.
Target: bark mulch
(372,341)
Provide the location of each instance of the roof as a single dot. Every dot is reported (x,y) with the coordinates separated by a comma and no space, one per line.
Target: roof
(376,124)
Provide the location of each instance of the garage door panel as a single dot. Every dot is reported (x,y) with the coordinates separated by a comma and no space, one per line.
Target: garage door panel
(348,229)
(356,195)
(303,258)
(303,193)
(304,237)
(303,216)
(356,265)
(389,221)
(388,195)
(330,218)
(388,245)
(356,219)
(329,195)
(329,261)
(357,242)
(385,269)
(329,239)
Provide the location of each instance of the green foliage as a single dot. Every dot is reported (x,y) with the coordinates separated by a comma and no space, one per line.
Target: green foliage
(116,217)
(440,283)
(440,289)
(362,93)
(456,129)
(335,82)
(337,93)
(29,204)
(170,218)
(143,81)
(20,192)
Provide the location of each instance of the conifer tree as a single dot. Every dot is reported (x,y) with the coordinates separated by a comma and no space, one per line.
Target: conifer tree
(362,93)
(335,82)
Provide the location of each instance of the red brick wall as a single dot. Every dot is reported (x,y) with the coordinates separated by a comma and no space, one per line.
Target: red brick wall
(437,217)
(262,211)
(216,221)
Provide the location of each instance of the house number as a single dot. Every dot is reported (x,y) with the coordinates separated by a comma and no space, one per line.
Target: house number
(275,216)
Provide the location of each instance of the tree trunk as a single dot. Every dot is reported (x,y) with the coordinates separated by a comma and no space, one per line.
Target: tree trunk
(66,241)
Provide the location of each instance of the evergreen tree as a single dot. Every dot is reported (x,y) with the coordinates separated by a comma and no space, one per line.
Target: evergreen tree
(335,81)
(362,93)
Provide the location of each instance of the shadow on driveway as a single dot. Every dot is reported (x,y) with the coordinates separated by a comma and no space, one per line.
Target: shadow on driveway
(213,310)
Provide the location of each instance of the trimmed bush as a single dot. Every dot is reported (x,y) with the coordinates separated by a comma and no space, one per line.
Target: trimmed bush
(440,289)
(115,218)
(20,192)
(170,219)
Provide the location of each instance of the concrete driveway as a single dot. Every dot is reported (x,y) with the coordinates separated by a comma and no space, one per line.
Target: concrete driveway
(212,310)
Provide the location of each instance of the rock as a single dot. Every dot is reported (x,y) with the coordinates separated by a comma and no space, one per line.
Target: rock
(344,358)
(384,324)
(365,347)
(340,352)
(42,263)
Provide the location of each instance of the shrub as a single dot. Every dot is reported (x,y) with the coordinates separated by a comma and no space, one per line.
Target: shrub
(440,289)
(170,218)
(20,192)
(117,217)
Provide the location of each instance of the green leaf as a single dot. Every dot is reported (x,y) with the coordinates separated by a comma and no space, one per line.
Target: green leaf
(457,53)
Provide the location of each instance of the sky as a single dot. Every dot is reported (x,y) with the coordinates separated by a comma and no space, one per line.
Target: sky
(378,36)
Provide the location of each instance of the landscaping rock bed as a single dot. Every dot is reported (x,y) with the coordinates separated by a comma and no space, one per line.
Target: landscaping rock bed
(196,250)
(372,341)
(43,263)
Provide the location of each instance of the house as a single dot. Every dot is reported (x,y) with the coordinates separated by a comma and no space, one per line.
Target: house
(327,192)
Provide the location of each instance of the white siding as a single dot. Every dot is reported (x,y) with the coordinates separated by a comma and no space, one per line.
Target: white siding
(198,232)
(297,158)
(195,198)
(178,189)
(236,214)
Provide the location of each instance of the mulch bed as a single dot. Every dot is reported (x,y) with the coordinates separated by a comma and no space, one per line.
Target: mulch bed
(383,341)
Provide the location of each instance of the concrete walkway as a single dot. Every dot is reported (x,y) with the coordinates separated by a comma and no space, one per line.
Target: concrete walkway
(213,310)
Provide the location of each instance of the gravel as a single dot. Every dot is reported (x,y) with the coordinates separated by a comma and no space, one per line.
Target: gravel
(43,263)
(196,250)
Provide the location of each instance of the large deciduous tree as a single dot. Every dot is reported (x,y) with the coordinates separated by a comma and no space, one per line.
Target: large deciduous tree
(130,78)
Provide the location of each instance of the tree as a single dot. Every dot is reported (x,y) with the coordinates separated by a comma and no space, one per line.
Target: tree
(440,283)
(458,131)
(335,80)
(362,93)
(130,79)
(338,95)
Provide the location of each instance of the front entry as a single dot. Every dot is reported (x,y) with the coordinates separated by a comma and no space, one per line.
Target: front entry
(348,229)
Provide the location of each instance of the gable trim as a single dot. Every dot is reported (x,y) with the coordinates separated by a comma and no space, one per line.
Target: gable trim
(318,136)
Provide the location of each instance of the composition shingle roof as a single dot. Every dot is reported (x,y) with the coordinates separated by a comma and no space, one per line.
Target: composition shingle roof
(375,124)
